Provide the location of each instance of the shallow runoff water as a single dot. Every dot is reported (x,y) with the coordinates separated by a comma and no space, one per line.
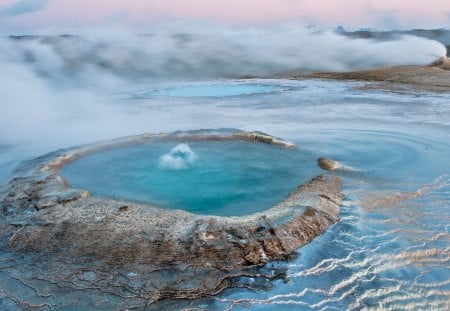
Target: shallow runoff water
(391,248)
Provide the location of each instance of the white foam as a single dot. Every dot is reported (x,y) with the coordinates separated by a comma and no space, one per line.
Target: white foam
(180,157)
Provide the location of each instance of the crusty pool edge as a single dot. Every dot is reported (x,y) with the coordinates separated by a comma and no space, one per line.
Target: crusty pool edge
(177,253)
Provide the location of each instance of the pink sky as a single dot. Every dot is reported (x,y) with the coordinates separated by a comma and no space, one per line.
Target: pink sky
(352,13)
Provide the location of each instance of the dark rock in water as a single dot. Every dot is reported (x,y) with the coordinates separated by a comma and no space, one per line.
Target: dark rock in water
(328,164)
(132,249)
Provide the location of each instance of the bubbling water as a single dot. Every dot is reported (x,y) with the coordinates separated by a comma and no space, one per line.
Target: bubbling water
(180,157)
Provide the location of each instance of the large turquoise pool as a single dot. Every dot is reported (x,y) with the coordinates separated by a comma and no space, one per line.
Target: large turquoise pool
(215,178)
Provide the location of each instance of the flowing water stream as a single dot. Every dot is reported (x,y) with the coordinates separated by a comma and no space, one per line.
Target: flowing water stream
(391,249)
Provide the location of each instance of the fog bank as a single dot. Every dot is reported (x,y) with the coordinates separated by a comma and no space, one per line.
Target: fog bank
(54,88)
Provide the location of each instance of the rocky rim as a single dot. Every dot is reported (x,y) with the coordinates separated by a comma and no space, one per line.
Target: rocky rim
(151,252)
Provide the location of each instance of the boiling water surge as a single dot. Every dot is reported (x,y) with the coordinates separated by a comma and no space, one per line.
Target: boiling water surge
(391,249)
(179,158)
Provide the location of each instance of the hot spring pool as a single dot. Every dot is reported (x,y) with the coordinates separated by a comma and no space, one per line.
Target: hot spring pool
(391,247)
(211,177)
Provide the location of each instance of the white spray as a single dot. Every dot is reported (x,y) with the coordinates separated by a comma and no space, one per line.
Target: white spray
(180,157)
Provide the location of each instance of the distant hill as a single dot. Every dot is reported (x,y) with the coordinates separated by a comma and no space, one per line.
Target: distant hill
(441,35)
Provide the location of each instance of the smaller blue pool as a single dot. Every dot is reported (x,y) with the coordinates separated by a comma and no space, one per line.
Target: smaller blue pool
(213,90)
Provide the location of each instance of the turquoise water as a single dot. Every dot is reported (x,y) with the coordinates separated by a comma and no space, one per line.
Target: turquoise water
(213,90)
(215,178)
(391,248)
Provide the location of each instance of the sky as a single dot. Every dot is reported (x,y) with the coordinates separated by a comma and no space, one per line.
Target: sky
(31,15)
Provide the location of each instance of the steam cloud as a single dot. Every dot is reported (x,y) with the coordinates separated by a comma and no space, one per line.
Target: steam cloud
(54,82)
(215,52)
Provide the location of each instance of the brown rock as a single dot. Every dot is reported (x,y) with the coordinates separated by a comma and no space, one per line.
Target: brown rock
(443,63)
(328,164)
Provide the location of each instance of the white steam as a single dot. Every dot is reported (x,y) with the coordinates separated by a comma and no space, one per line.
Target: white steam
(180,157)
(99,57)
(54,90)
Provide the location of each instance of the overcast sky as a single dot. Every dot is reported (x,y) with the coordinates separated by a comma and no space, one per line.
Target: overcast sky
(29,15)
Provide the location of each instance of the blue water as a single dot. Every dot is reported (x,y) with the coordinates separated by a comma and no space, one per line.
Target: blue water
(216,178)
(391,249)
(212,90)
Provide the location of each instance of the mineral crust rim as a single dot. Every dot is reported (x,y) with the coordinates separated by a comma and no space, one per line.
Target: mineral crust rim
(53,165)
(41,215)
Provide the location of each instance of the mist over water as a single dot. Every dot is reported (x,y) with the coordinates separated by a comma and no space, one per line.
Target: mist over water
(99,56)
(390,249)
(54,87)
